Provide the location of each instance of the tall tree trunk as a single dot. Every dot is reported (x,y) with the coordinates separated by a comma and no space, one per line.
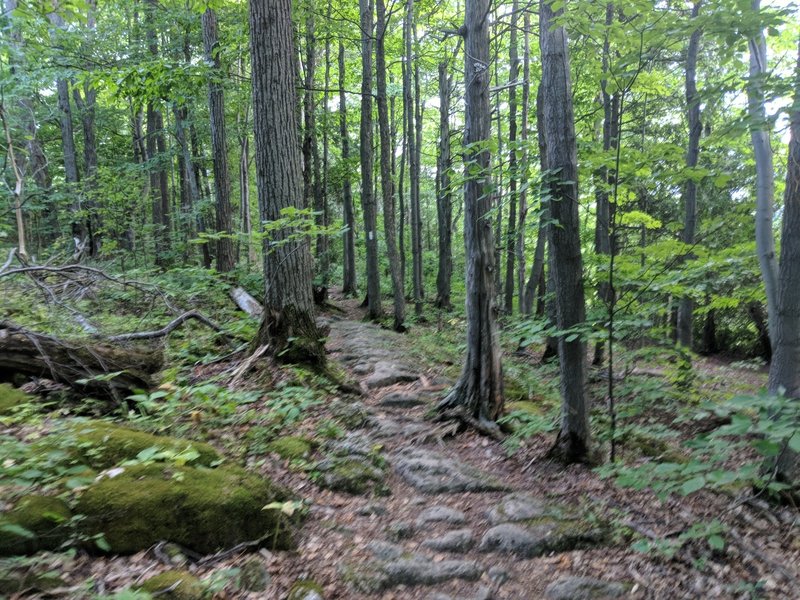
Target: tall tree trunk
(765,174)
(245,218)
(18,193)
(226,260)
(368,203)
(349,253)
(523,193)
(686,306)
(309,133)
(387,183)
(478,394)
(413,158)
(559,132)
(323,241)
(444,195)
(288,325)
(513,175)
(156,148)
(784,372)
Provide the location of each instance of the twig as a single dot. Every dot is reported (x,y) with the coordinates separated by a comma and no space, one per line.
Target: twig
(8,260)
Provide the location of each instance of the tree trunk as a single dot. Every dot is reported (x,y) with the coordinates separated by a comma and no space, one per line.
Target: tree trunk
(226,260)
(478,394)
(562,182)
(309,133)
(387,183)
(368,203)
(513,175)
(411,100)
(765,173)
(523,193)
(19,185)
(784,372)
(323,241)
(349,253)
(686,306)
(444,196)
(288,325)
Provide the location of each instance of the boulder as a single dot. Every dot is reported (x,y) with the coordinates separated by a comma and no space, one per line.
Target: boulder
(174,585)
(290,447)
(35,523)
(584,588)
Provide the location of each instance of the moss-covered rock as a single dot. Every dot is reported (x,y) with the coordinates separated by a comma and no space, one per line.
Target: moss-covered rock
(100,444)
(351,475)
(11,397)
(42,518)
(174,585)
(305,589)
(202,509)
(290,447)
(15,579)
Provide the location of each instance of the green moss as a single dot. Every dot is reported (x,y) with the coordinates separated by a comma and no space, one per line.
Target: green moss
(101,445)
(654,448)
(525,406)
(303,589)
(290,447)
(11,397)
(202,509)
(182,585)
(43,517)
(567,534)
(351,476)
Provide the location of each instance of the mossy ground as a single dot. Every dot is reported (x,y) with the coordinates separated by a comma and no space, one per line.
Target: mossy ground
(44,518)
(290,447)
(11,397)
(174,585)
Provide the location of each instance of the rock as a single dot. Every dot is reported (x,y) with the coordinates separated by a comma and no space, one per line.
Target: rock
(387,373)
(400,530)
(362,369)
(101,445)
(305,589)
(290,447)
(353,444)
(351,475)
(202,509)
(253,576)
(385,550)
(511,539)
(459,540)
(584,588)
(548,535)
(498,574)
(433,473)
(401,400)
(35,523)
(518,507)
(386,427)
(441,514)
(174,585)
(423,571)
(11,397)
(373,508)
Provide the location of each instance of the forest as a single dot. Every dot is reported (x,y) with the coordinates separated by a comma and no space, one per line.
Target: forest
(409,300)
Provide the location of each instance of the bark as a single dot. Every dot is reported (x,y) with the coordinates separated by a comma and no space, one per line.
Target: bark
(246,302)
(513,175)
(67,361)
(478,394)
(323,241)
(18,192)
(287,325)
(562,181)
(444,196)
(226,260)
(784,373)
(349,262)
(686,306)
(309,105)
(765,174)
(368,203)
(387,182)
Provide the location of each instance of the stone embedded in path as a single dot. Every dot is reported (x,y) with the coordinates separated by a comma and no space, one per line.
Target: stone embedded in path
(512,539)
(548,535)
(433,473)
(385,550)
(518,507)
(459,540)
(441,514)
(482,593)
(401,400)
(584,588)
(388,373)
(386,427)
(353,475)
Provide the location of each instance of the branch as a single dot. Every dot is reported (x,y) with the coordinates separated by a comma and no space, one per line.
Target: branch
(167,329)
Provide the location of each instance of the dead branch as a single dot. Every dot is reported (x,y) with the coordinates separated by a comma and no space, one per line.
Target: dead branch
(167,329)
(246,302)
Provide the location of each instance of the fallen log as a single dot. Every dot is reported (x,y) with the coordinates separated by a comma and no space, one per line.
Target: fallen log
(91,367)
(246,302)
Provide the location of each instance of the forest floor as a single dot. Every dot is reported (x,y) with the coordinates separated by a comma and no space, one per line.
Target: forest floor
(438,516)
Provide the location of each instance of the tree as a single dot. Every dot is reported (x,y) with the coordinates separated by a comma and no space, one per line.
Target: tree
(387,181)
(444,199)
(368,204)
(349,261)
(477,397)
(513,151)
(686,308)
(558,120)
(226,260)
(413,134)
(287,325)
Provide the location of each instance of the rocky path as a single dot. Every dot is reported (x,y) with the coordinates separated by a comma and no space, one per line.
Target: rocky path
(409,514)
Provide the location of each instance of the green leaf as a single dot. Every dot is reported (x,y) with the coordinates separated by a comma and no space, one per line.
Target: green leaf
(16,530)
(716,542)
(694,484)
